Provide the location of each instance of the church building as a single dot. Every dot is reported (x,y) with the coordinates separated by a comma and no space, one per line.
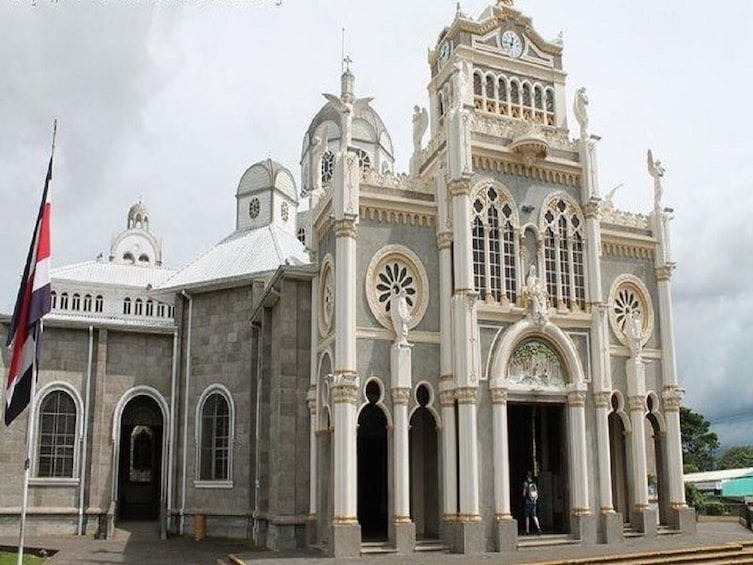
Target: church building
(376,356)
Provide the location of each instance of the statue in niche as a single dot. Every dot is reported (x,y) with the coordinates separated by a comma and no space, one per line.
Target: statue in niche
(420,124)
(580,109)
(536,294)
(656,170)
(400,316)
(633,329)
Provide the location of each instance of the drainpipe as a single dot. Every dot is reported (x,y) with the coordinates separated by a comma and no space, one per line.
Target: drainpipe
(171,436)
(257,455)
(185,409)
(85,434)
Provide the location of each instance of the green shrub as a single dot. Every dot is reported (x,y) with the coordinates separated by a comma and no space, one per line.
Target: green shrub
(713,508)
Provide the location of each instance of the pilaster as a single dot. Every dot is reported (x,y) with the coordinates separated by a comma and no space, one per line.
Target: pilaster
(449,450)
(576,405)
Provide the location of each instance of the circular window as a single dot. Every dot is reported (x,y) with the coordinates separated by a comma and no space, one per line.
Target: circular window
(628,297)
(392,269)
(253,208)
(284,212)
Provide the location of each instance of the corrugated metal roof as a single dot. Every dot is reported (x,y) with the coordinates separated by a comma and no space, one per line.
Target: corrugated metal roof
(109,319)
(240,255)
(114,274)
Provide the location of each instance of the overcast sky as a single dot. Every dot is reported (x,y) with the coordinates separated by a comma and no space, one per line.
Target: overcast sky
(171,101)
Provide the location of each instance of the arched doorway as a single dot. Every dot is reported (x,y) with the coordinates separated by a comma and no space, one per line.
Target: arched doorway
(140,460)
(372,467)
(657,492)
(424,468)
(618,453)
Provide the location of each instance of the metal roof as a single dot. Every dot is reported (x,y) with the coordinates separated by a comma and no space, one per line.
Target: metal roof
(112,274)
(240,256)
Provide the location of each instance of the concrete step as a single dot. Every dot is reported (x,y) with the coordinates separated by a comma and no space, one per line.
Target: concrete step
(377,548)
(430,546)
(545,540)
(716,554)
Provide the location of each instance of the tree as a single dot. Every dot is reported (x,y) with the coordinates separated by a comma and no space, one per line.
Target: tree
(698,442)
(736,458)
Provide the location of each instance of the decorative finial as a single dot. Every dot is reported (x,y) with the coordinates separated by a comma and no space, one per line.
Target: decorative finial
(505,3)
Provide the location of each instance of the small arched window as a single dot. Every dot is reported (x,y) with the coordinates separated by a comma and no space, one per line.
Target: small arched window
(144,258)
(128,257)
(54,298)
(364,162)
(328,167)
(138,308)
(160,310)
(87,303)
(57,435)
(99,303)
(302,235)
(149,308)
(64,301)
(127,305)
(76,302)
(215,438)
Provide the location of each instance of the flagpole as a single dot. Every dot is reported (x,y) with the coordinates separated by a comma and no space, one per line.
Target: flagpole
(31,417)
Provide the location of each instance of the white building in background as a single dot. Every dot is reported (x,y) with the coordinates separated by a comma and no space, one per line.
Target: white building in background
(387,365)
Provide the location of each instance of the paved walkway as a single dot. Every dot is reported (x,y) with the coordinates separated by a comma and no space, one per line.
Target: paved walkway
(139,543)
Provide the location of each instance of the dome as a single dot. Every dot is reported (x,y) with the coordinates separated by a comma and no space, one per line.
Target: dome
(265,175)
(138,216)
(369,136)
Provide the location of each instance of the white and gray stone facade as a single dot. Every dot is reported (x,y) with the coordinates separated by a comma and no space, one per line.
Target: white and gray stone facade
(392,361)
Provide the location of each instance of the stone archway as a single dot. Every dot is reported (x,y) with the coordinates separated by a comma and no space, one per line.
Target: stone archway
(424,468)
(373,491)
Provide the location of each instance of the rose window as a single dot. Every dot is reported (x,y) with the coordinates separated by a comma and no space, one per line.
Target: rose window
(392,279)
(628,296)
(626,303)
(254,207)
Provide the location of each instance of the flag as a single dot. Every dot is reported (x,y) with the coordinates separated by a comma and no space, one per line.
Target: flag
(33,302)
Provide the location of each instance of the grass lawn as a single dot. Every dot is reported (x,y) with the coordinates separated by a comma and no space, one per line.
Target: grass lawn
(11,558)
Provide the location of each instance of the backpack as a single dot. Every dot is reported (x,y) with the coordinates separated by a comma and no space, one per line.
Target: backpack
(532,491)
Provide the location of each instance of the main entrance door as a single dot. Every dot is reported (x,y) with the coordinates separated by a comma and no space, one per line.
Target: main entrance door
(372,469)
(140,460)
(538,443)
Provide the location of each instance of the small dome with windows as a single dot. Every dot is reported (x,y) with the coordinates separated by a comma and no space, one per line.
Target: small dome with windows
(370,138)
(267,174)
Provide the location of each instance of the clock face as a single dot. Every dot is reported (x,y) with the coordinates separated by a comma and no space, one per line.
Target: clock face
(512,45)
(444,52)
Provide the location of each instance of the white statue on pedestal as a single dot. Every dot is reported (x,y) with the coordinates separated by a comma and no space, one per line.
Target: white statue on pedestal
(537,297)
(580,109)
(461,85)
(633,329)
(420,124)
(656,170)
(400,315)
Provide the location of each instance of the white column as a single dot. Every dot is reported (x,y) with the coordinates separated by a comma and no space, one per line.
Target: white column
(344,395)
(449,456)
(501,455)
(400,398)
(311,400)
(469,506)
(638,448)
(576,404)
(671,403)
(603,452)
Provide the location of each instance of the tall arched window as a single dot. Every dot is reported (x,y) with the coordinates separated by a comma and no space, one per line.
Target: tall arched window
(563,254)
(215,437)
(149,308)
(99,303)
(54,297)
(494,245)
(57,435)
(64,301)
(87,303)
(126,305)
(138,308)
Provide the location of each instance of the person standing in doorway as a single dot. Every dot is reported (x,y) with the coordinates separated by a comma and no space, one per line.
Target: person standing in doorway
(531,497)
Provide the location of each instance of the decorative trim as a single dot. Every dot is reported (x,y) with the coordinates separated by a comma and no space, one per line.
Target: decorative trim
(576,399)
(346,227)
(674,505)
(664,273)
(447,398)
(326,277)
(345,393)
(581,511)
(400,396)
(468,517)
(444,240)
(637,403)
(392,216)
(402,519)
(499,395)
(498,165)
(601,399)
(630,250)
(459,187)
(502,517)
(387,335)
(671,403)
(466,395)
(386,255)
(591,210)
(344,521)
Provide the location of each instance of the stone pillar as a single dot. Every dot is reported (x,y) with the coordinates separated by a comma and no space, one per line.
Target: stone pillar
(449,456)
(612,530)
(582,520)
(642,517)
(506,526)
(403,529)
(470,535)
(345,537)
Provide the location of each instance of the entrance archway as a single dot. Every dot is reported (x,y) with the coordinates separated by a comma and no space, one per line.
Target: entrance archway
(538,443)
(424,469)
(140,460)
(373,499)
(655,444)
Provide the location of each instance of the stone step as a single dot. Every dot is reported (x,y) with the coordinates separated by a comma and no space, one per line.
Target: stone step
(545,540)
(708,555)
(376,548)
(431,545)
